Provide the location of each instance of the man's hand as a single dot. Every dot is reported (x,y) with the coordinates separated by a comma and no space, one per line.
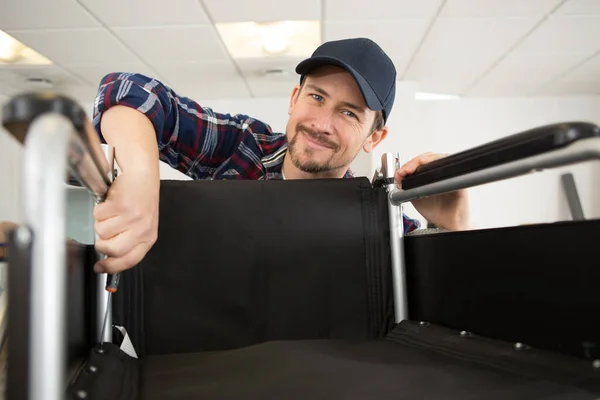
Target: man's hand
(127,221)
(447,211)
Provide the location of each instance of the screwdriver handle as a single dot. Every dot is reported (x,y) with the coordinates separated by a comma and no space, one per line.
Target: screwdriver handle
(112,282)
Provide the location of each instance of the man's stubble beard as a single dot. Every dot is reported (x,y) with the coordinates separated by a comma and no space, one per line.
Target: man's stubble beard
(312,167)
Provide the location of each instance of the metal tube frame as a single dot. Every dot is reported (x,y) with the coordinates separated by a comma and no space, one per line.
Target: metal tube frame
(52,147)
(101,292)
(390,162)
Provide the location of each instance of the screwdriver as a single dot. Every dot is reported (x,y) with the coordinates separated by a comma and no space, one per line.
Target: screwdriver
(112,283)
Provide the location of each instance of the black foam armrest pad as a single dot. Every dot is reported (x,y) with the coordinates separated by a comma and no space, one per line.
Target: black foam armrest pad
(511,148)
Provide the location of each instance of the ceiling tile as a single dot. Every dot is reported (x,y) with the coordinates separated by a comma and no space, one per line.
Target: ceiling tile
(580,7)
(35,14)
(466,38)
(135,13)
(279,67)
(447,73)
(497,9)
(588,71)
(270,77)
(580,88)
(398,38)
(93,74)
(174,44)
(204,80)
(77,46)
(360,10)
(457,51)
(61,80)
(523,73)
(564,35)
(263,10)
(83,94)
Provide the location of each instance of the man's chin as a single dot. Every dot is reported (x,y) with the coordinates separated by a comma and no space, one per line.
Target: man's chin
(310,166)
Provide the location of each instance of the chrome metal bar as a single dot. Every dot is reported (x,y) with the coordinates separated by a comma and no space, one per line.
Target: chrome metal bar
(389,165)
(101,292)
(50,138)
(90,172)
(580,151)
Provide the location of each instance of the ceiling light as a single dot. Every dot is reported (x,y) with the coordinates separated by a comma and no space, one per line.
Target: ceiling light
(281,38)
(275,36)
(14,52)
(435,96)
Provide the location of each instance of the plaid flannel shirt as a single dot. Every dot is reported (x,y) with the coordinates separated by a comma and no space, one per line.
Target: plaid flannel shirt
(197,141)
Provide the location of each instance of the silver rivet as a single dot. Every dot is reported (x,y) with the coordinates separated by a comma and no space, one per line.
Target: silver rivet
(465,333)
(81,394)
(92,368)
(596,364)
(519,346)
(423,323)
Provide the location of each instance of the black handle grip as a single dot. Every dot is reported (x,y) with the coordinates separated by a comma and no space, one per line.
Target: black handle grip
(511,148)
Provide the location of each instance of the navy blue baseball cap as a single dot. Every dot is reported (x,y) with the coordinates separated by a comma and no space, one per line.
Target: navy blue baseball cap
(372,69)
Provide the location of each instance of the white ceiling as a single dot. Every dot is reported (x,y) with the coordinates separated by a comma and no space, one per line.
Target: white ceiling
(466,47)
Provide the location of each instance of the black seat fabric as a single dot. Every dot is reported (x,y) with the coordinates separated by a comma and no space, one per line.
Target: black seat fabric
(243,262)
(413,362)
(537,284)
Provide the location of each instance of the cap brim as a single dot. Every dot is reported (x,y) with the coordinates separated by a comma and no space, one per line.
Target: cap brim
(368,94)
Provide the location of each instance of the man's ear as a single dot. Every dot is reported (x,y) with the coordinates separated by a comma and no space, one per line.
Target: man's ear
(374,139)
(293,98)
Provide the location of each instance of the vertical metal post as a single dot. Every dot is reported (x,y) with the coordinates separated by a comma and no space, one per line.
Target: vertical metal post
(45,164)
(102,294)
(390,163)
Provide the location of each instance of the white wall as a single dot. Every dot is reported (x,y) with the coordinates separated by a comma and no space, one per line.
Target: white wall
(452,126)
(416,127)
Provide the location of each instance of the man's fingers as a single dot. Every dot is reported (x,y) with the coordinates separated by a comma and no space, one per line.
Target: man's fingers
(104,210)
(112,265)
(109,228)
(116,246)
(411,166)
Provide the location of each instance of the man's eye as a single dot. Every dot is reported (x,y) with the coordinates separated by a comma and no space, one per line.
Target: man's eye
(351,114)
(317,97)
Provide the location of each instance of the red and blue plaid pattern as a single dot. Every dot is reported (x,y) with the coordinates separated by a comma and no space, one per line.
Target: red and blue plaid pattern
(197,141)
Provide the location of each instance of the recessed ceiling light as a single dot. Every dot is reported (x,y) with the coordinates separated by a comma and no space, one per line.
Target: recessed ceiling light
(268,39)
(16,53)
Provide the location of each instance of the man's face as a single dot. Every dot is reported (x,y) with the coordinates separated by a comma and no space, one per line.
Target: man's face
(329,122)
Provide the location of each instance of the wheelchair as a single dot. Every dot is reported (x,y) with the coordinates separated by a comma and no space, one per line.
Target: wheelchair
(299,289)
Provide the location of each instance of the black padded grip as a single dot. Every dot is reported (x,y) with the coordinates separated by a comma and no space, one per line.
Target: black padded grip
(511,148)
(21,110)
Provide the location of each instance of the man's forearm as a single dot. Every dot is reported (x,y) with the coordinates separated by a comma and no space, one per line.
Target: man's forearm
(132,135)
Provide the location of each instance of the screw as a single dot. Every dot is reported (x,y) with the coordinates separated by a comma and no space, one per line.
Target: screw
(596,364)
(92,368)
(519,346)
(465,333)
(81,394)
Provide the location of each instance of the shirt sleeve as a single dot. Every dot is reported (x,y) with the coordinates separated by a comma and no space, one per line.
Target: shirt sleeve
(410,224)
(192,139)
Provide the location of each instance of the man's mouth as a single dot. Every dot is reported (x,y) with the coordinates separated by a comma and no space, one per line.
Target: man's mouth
(317,143)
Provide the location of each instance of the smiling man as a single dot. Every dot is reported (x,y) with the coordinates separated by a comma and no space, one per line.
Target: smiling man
(339,108)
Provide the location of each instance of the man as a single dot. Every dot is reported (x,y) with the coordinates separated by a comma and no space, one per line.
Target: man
(344,98)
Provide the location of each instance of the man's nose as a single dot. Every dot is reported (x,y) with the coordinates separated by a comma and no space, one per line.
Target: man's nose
(323,121)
